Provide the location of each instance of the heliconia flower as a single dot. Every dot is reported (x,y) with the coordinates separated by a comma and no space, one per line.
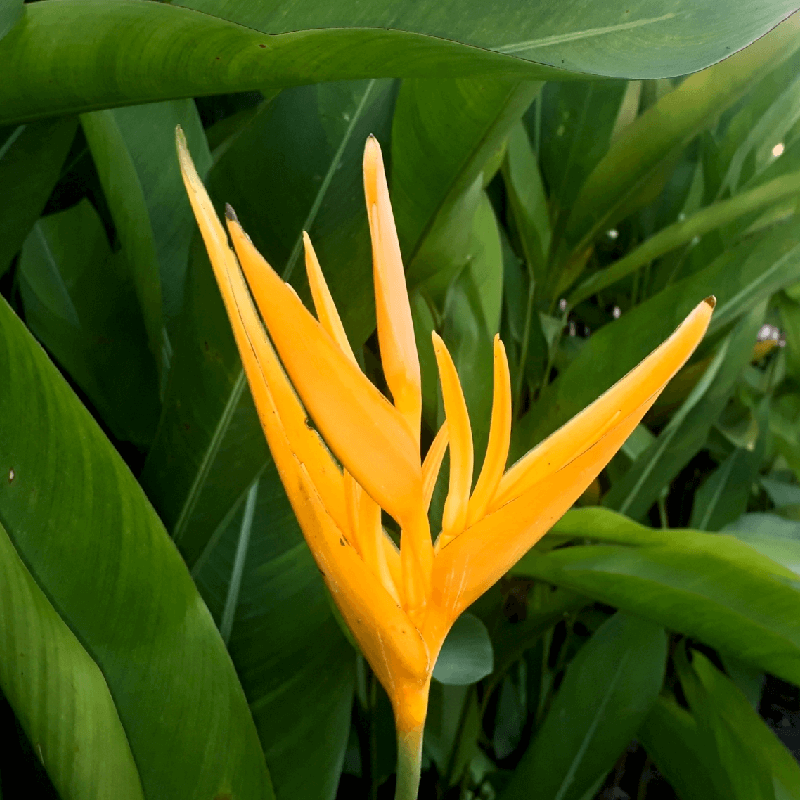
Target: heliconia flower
(364,454)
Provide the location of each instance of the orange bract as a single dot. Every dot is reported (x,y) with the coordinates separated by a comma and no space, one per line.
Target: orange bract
(400,605)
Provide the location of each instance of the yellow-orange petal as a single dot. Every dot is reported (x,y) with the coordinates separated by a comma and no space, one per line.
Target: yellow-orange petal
(587,427)
(472,562)
(433,463)
(364,431)
(373,549)
(494,463)
(275,400)
(395,328)
(454,518)
(387,637)
(327,314)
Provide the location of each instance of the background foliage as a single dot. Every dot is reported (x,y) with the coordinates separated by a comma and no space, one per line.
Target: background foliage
(163,630)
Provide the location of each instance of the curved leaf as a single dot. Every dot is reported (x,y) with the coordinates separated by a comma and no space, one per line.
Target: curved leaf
(59,693)
(79,55)
(93,544)
(709,586)
(646,38)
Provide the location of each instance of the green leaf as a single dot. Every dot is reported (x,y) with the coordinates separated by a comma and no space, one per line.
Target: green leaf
(607,691)
(59,693)
(294,168)
(93,545)
(766,115)
(770,535)
(571,125)
(80,303)
(640,157)
(682,752)
(528,200)
(685,230)
(757,764)
(436,189)
(147,134)
(11,12)
(740,278)
(140,52)
(30,162)
(711,587)
(472,300)
(452,728)
(725,494)
(263,588)
(466,655)
(686,432)
(781,493)
(126,200)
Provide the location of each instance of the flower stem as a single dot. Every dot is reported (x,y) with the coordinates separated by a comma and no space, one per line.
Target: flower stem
(409,763)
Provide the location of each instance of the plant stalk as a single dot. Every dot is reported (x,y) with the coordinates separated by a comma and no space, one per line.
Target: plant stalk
(409,763)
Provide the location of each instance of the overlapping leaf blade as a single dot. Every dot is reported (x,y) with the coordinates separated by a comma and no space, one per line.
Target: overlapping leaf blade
(90,540)
(296,667)
(136,48)
(712,587)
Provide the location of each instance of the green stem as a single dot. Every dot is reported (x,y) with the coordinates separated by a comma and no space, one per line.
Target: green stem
(409,764)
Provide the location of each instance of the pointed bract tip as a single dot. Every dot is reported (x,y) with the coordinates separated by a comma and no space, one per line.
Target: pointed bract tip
(230,213)
(372,148)
(180,140)
(711,300)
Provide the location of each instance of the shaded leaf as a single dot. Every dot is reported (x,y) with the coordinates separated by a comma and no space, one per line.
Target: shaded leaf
(81,304)
(31,158)
(263,588)
(59,693)
(93,544)
(607,691)
(466,655)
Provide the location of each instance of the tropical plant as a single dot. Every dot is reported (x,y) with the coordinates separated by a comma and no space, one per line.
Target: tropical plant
(164,630)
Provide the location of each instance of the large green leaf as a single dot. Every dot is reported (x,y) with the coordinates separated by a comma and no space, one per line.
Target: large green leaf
(646,38)
(80,303)
(607,691)
(31,157)
(79,55)
(571,126)
(10,14)
(263,587)
(92,544)
(58,692)
(708,586)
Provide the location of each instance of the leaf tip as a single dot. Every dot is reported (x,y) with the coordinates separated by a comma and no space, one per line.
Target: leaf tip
(711,301)
(230,213)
